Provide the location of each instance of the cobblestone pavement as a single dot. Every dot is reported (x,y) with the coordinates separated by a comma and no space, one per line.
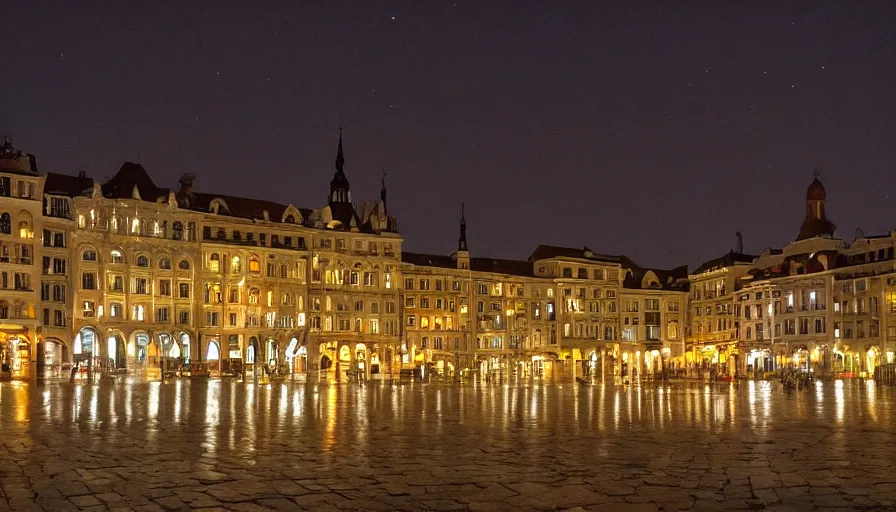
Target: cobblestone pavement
(231,446)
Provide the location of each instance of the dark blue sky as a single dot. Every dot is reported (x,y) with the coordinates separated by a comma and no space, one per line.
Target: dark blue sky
(654,129)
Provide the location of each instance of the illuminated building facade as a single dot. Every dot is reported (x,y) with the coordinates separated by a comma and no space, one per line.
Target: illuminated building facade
(127,276)
(138,278)
(817,305)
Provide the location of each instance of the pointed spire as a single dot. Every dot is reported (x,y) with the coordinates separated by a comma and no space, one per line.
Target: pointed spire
(462,241)
(383,188)
(340,159)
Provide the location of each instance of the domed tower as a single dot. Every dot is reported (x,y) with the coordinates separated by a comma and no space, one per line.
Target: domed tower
(339,188)
(816,223)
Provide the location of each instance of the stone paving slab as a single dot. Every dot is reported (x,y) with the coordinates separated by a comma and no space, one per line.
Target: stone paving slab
(234,447)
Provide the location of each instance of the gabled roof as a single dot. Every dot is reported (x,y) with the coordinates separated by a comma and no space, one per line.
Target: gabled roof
(728,260)
(132,175)
(544,252)
(67,185)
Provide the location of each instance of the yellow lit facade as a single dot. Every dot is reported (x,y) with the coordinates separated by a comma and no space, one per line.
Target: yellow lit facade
(129,277)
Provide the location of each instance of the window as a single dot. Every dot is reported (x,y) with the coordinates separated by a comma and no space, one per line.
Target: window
(165,287)
(89,255)
(162,315)
(183,265)
(5,222)
(254,265)
(142,261)
(117,257)
(165,264)
(138,285)
(88,281)
(183,290)
(115,309)
(183,317)
(177,231)
(214,262)
(211,318)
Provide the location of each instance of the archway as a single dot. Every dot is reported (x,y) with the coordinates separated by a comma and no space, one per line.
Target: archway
(271,353)
(361,358)
(116,352)
(55,356)
(213,355)
(185,349)
(251,350)
(85,349)
(141,349)
(15,356)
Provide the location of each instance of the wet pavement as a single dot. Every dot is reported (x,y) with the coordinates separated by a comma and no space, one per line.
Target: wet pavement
(224,445)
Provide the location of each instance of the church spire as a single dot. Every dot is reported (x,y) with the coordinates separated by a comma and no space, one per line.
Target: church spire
(462,241)
(340,159)
(383,191)
(339,187)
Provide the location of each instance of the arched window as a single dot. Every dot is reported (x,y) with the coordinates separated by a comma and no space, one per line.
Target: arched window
(142,261)
(177,230)
(672,330)
(89,255)
(254,265)
(117,257)
(214,262)
(165,264)
(250,354)
(184,265)
(5,223)
(214,353)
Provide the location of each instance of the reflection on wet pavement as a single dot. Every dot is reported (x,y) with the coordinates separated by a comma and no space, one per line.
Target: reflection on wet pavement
(185,445)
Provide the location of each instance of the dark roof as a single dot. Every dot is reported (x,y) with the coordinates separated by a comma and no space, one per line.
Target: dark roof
(544,252)
(499,266)
(428,260)
(815,192)
(345,213)
(14,161)
(728,260)
(243,207)
(67,185)
(809,263)
(674,279)
(512,267)
(130,175)
(813,227)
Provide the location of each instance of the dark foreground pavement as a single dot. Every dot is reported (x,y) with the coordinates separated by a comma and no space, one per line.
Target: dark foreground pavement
(233,446)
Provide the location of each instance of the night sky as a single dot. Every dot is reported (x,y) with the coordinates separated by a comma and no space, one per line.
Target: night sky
(653,129)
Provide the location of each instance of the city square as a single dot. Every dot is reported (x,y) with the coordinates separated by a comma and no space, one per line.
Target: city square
(196,444)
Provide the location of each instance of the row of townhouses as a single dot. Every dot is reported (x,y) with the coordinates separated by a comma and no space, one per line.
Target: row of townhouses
(126,276)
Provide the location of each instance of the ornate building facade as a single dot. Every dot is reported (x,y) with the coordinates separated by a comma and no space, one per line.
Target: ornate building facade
(125,276)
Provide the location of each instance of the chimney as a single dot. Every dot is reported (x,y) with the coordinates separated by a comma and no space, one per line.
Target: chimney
(740,243)
(186,184)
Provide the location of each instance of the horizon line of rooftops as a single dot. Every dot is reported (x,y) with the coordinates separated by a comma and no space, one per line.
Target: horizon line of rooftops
(132,177)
